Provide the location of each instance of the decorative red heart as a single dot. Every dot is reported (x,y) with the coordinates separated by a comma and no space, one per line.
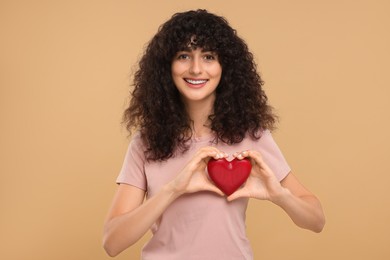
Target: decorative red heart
(229,176)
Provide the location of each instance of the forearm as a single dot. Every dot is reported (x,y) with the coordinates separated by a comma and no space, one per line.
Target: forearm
(123,231)
(305,211)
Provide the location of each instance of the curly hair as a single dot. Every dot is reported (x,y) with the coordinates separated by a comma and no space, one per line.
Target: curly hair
(156,108)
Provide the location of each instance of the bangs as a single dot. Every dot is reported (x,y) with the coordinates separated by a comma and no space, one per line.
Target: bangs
(194,41)
(192,30)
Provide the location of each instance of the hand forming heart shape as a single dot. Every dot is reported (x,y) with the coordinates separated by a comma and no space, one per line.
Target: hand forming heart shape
(229,176)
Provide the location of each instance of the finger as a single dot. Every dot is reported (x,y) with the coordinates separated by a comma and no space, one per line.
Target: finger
(238,156)
(241,155)
(220,154)
(212,152)
(206,153)
(258,159)
(255,155)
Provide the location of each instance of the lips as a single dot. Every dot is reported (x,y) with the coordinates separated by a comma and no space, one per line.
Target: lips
(195,83)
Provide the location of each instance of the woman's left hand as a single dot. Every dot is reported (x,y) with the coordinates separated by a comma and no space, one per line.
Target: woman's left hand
(300,204)
(262,183)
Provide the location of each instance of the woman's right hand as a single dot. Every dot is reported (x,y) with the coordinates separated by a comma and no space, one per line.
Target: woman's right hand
(130,217)
(193,177)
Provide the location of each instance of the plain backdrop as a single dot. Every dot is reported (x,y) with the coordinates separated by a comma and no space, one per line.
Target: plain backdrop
(65,73)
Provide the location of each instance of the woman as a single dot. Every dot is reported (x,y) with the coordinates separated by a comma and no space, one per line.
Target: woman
(198,96)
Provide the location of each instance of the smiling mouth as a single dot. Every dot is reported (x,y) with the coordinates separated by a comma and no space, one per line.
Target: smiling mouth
(196,81)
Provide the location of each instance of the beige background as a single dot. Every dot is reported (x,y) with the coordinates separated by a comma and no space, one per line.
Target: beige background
(64,74)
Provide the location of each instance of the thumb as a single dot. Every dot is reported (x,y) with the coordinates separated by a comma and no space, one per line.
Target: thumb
(213,188)
(239,194)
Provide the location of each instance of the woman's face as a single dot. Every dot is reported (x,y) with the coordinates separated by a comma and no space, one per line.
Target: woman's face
(196,74)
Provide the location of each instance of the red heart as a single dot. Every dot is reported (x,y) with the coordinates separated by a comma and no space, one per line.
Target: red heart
(229,176)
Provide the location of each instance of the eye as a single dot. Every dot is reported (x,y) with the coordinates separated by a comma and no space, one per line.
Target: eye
(210,57)
(183,56)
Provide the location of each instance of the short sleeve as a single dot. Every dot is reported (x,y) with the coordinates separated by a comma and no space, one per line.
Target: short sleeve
(133,170)
(272,155)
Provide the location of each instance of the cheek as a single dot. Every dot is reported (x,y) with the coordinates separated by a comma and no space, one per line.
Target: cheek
(175,74)
(173,69)
(177,69)
(217,72)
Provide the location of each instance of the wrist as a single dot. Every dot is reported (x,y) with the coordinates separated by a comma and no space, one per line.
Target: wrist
(171,190)
(281,196)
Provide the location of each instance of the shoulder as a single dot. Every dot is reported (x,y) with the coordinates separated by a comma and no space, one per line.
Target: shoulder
(264,142)
(137,147)
(265,135)
(260,136)
(272,155)
(265,139)
(137,141)
(136,137)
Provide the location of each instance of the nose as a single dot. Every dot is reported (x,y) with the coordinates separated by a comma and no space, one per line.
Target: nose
(196,67)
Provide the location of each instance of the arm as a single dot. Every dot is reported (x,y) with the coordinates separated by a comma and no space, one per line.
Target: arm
(300,204)
(129,218)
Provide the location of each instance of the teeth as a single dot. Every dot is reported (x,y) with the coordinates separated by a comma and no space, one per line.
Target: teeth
(196,82)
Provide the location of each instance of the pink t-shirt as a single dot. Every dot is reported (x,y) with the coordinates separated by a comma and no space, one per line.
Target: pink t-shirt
(203,225)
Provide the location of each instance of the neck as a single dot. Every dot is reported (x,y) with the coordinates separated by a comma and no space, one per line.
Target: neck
(199,112)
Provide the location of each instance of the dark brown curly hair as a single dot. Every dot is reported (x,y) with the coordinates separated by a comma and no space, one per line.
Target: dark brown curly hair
(156,109)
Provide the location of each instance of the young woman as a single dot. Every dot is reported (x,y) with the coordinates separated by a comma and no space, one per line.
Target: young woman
(198,96)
